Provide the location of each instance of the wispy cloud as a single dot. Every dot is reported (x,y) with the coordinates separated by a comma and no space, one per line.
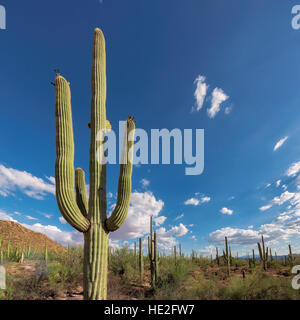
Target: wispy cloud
(62,220)
(31,218)
(293,170)
(145,183)
(200,92)
(280,143)
(278,183)
(197,201)
(228,110)
(34,187)
(218,97)
(179,217)
(266,207)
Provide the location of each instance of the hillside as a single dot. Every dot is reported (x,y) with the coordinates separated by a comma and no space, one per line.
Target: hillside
(21,237)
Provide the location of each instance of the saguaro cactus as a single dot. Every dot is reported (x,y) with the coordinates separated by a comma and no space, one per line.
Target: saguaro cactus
(291,256)
(217,256)
(153,255)
(227,256)
(141,260)
(90,216)
(262,253)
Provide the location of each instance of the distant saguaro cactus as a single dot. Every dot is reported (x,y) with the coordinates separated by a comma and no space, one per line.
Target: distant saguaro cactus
(153,255)
(141,260)
(217,257)
(90,216)
(226,255)
(262,253)
(291,257)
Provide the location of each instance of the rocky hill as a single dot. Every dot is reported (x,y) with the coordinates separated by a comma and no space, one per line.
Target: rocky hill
(21,237)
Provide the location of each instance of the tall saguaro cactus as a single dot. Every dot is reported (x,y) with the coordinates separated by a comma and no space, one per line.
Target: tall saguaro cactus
(153,255)
(262,253)
(90,216)
(141,260)
(227,256)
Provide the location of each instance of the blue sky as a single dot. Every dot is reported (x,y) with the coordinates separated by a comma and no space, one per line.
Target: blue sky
(245,51)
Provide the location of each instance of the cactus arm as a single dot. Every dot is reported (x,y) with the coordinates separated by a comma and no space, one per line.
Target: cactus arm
(120,212)
(260,252)
(64,167)
(81,197)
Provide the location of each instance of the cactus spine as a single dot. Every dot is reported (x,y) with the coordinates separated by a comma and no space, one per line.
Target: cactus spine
(90,216)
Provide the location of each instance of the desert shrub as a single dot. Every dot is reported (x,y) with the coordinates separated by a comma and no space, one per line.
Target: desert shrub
(124,264)
(259,286)
(171,281)
(66,271)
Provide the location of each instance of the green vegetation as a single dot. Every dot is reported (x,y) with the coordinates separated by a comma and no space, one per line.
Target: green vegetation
(192,277)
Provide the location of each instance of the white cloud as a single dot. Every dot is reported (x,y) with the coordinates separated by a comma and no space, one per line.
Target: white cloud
(264,208)
(218,97)
(200,92)
(34,187)
(142,207)
(268,185)
(280,143)
(207,251)
(5,216)
(51,179)
(159,220)
(179,217)
(228,110)
(278,183)
(62,220)
(196,202)
(283,198)
(137,224)
(167,239)
(293,169)
(226,211)
(238,236)
(192,201)
(145,183)
(31,218)
(109,195)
